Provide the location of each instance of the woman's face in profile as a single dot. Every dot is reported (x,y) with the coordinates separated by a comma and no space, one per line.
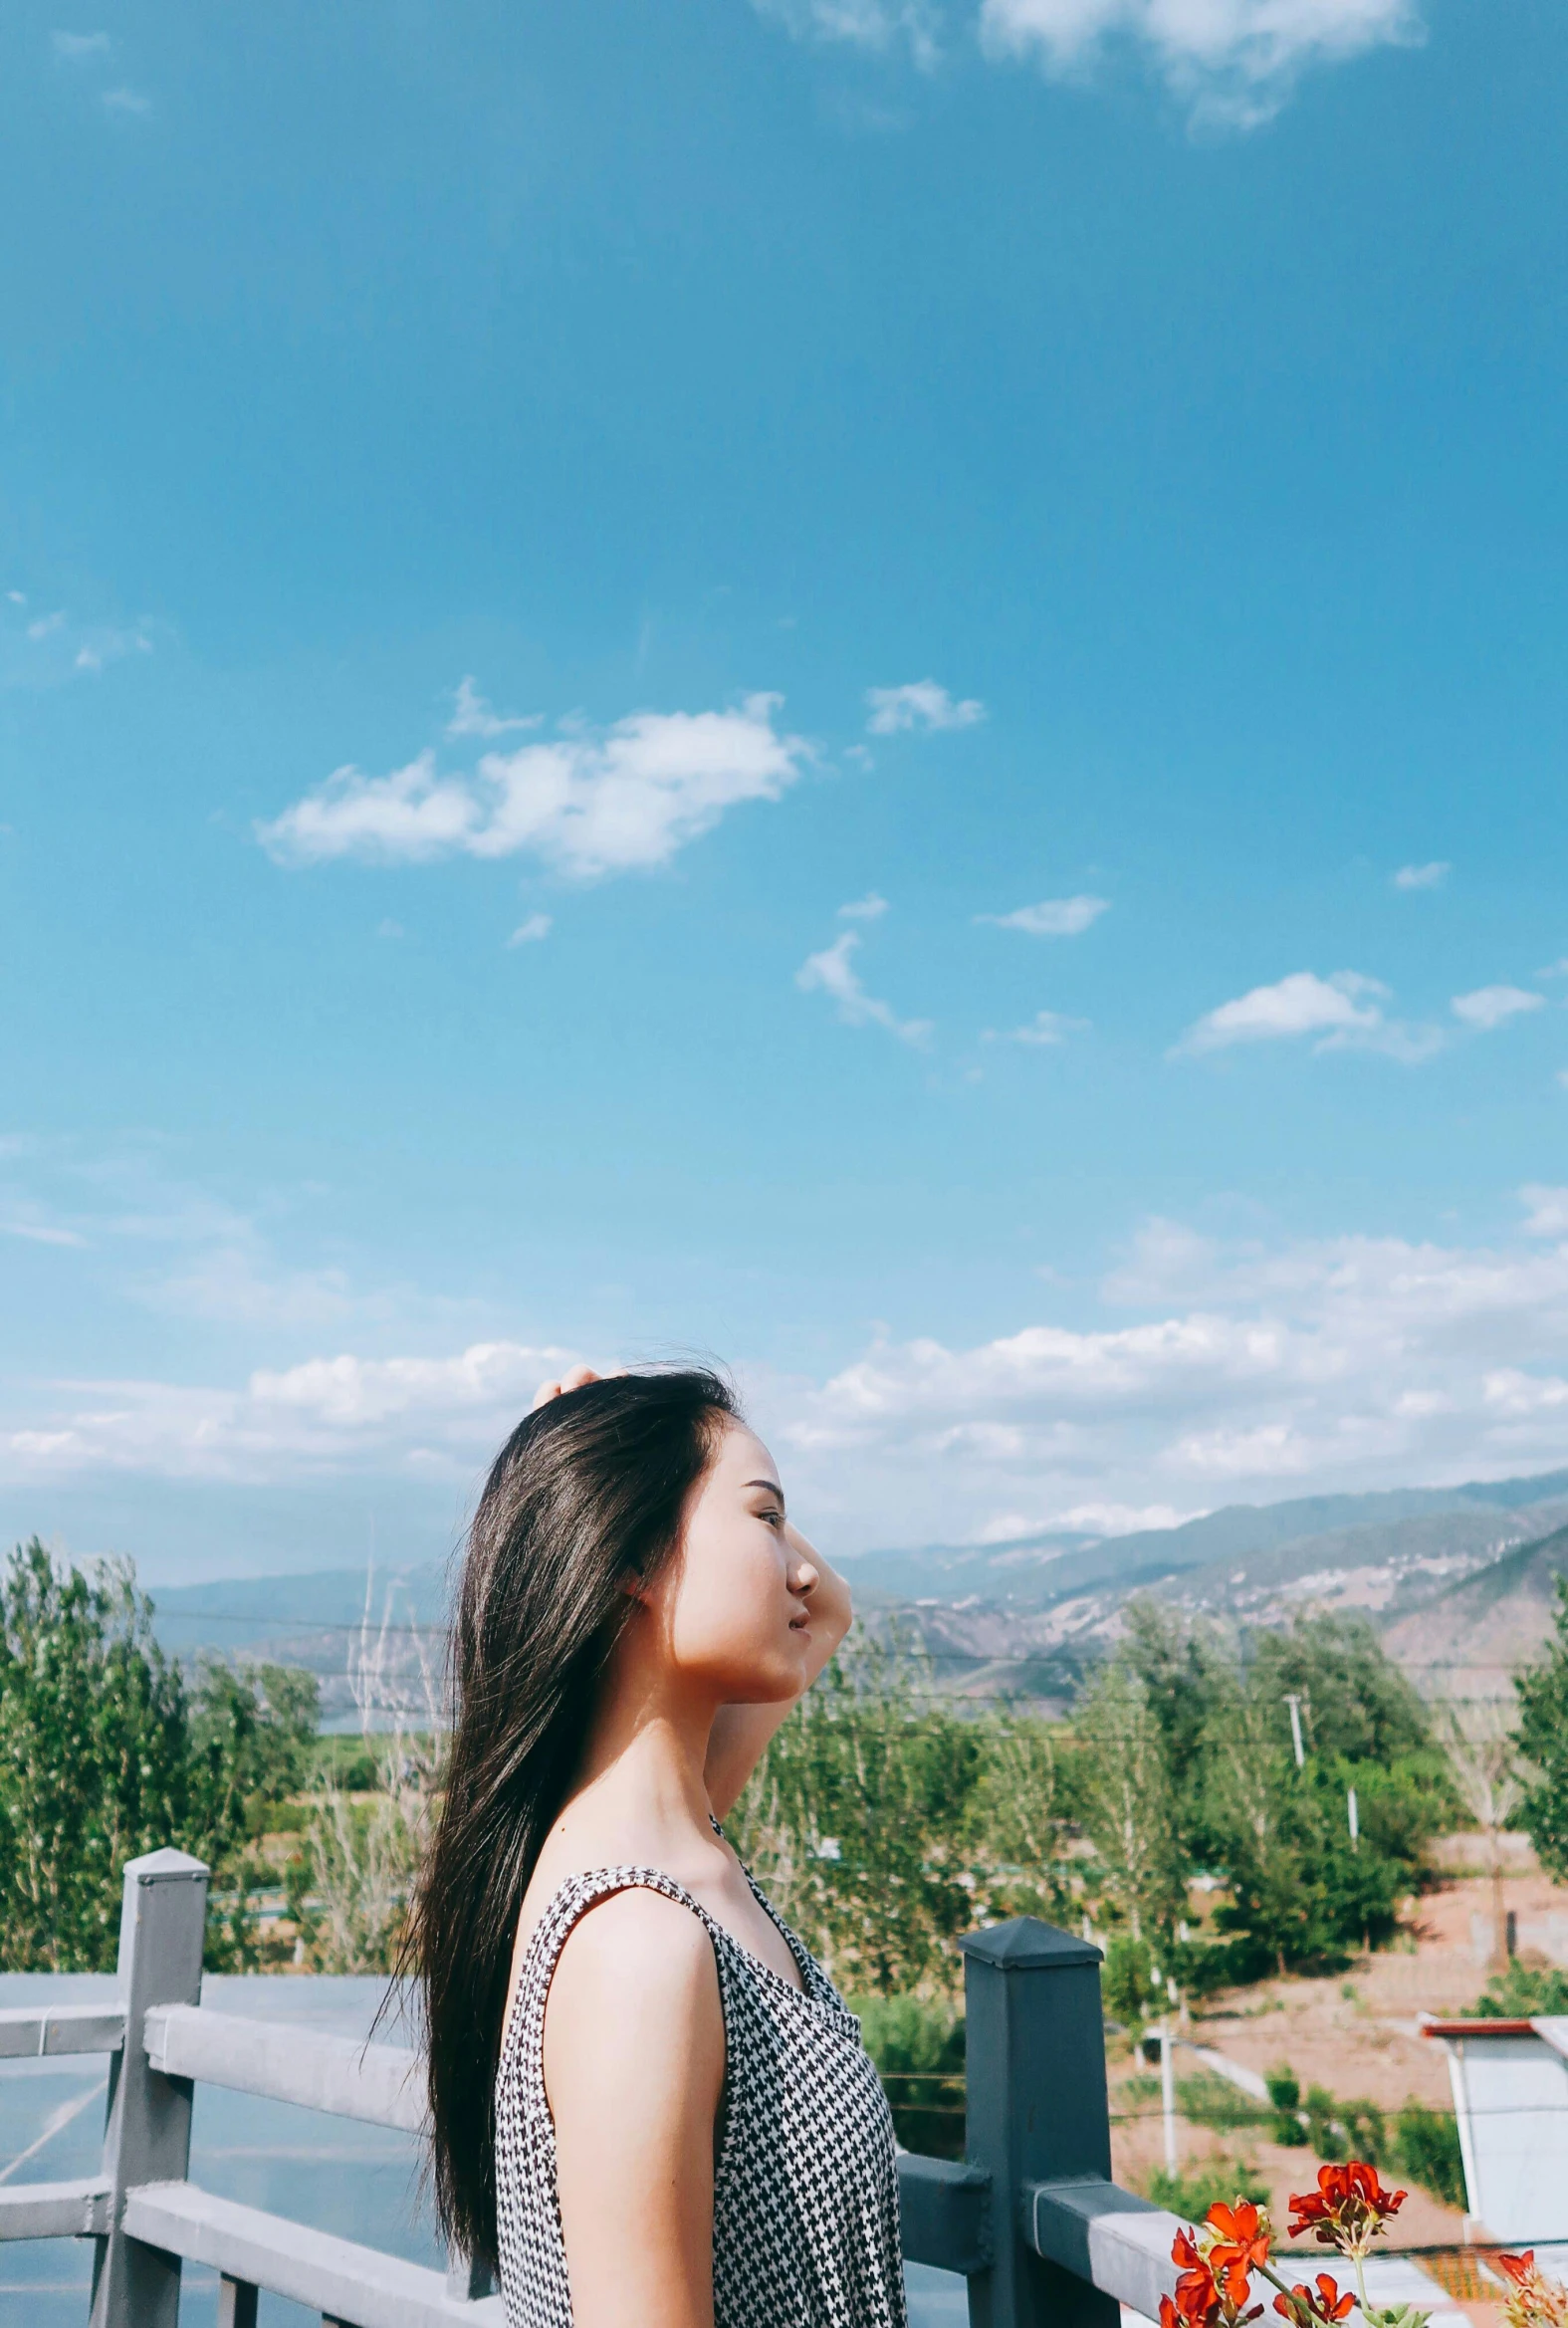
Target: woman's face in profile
(734,1605)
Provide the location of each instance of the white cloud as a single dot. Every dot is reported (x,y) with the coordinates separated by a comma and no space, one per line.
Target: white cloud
(1344,1011)
(1053,917)
(920,704)
(1430,876)
(396,1415)
(1346,1362)
(76,47)
(127,101)
(1303,1003)
(1495,1005)
(391,929)
(875,26)
(1046,1028)
(872,907)
(1548,1210)
(588,804)
(832,972)
(533,931)
(472,715)
(1213,1372)
(1233,62)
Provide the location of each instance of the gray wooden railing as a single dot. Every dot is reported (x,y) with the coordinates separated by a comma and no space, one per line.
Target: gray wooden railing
(1031,2217)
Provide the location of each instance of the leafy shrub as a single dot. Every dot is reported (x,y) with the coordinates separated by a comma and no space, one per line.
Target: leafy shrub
(1284,2094)
(1204,2100)
(1131,1985)
(1520,1991)
(1426,2149)
(1191,2195)
(917,2045)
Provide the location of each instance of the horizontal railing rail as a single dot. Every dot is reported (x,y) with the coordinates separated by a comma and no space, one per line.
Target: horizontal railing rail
(380,2085)
(1031,2217)
(34,2031)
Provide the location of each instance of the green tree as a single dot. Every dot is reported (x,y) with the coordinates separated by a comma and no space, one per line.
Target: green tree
(858,1821)
(1543,1738)
(105,1754)
(1180,1666)
(94,1761)
(1356,1704)
(1124,1801)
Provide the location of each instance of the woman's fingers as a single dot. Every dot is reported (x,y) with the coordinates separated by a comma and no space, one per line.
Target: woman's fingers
(572,1381)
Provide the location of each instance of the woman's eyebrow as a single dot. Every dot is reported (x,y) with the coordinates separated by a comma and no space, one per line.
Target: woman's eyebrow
(771,1487)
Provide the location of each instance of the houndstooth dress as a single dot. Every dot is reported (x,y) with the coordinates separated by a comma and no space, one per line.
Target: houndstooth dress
(806,2191)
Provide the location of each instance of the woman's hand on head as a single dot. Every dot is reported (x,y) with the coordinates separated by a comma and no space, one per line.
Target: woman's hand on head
(572,1381)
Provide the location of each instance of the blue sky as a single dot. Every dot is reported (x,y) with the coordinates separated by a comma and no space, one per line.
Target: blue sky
(875,687)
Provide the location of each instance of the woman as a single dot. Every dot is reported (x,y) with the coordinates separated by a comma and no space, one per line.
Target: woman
(649,2105)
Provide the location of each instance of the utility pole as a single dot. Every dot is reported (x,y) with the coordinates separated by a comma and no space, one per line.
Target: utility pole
(1168,2094)
(1354,1817)
(1294,1704)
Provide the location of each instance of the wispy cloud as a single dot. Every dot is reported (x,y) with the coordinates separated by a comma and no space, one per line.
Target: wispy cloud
(1046,1029)
(1233,63)
(588,804)
(1430,876)
(1344,1011)
(1053,917)
(42,1232)
(833,973)
(77,47)
(920,704)
(872,907)
(1495,1005)
(126,101)
(875,26)
(48,648)
(473,716)
(533,931)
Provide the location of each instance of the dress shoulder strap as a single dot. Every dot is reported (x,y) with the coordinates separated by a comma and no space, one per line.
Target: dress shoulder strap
(522,2049)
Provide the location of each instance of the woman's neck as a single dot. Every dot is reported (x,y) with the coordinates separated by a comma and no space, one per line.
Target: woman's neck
(646,1752)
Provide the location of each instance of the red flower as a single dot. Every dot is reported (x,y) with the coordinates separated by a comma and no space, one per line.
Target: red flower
(1321,2303)
(1240,2248)
(1196,2290)
(1347,2209)
(1519,2268)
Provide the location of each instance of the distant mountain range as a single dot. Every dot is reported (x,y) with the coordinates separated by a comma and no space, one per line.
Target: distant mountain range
(1456,1578)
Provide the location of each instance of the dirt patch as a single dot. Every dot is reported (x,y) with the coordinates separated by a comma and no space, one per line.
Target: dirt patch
(1355,2033)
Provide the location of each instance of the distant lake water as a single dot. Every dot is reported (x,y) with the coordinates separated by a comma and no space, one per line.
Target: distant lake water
(361,2181)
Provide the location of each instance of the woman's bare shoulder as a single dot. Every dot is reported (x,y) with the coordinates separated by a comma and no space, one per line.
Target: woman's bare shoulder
(637,1946)
(634,2011)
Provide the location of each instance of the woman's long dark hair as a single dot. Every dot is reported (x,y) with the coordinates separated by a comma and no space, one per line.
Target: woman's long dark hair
(589,1490)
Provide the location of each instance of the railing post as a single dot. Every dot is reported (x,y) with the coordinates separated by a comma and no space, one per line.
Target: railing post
(1037,2109)
(466,2277)
(147,2136)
